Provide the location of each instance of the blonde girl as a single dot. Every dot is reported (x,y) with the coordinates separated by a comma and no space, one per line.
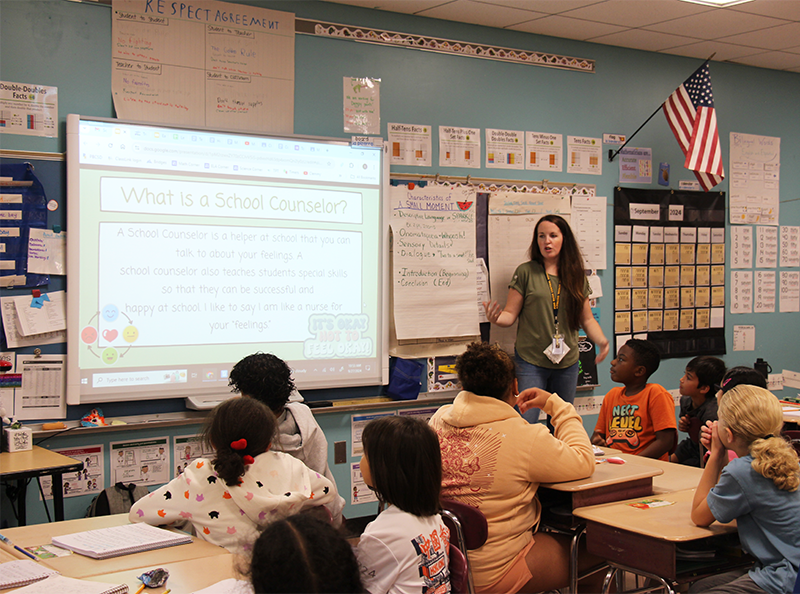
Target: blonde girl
(759,490)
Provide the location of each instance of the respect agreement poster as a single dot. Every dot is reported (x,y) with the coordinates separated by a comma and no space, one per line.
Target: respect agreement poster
(434,278)
(208,64)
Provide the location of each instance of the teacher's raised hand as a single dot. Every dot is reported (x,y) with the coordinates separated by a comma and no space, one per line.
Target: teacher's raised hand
(493,310)
(532,398)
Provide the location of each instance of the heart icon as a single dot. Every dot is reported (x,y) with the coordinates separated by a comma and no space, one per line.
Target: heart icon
(110,335)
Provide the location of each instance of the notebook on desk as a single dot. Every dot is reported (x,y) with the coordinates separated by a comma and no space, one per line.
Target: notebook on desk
(120,540)
(65,585)
(14,574)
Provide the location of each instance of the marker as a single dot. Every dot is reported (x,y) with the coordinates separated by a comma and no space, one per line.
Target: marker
(20,549)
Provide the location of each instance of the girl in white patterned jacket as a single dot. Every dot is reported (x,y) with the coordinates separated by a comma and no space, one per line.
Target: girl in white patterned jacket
(244,487)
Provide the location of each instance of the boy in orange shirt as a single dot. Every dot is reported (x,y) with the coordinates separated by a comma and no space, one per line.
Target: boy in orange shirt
(637,418)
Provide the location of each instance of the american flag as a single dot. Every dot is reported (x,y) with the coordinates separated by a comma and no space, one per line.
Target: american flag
(690,113)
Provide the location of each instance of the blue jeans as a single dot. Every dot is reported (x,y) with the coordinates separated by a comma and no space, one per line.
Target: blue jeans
(561,381)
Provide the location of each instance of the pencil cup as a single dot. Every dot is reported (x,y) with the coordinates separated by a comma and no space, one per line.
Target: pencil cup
(18,440)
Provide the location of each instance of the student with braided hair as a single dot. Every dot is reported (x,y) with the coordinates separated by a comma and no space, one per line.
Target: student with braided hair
(244,487)
(759,490)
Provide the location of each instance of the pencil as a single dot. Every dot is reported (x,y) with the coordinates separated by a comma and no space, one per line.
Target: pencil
(139,591)
(20,549)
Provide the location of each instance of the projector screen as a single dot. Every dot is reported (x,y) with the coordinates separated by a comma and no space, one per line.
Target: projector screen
(190,249)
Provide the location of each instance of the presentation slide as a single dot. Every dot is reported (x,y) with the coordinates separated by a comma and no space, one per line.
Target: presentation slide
(191,249)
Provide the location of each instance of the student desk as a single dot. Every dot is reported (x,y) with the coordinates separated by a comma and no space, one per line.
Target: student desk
(610,482)
(674,477)
(21,466)
(78,566)
(645,541)
(184,576)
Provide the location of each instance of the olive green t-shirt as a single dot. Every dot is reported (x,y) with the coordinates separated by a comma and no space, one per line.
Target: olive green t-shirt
(536,325)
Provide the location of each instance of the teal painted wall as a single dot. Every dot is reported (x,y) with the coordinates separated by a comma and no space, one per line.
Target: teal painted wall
(68,45)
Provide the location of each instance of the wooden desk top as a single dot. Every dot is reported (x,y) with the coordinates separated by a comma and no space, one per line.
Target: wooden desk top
(78,566)
(674,477)
(607,474)
(670,523)
(184,576)
(36,461)
(791,413)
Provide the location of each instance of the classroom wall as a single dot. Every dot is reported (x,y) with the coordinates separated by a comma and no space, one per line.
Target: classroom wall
(68,45)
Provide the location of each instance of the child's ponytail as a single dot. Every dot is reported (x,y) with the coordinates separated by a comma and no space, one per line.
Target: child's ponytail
(238,430)
(775,459)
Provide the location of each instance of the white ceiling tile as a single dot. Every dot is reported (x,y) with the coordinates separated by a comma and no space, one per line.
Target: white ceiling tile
(636,13)
(546,6)
(774,38)
(703,49)
(559,26)
(489,15)
(643,40)
(779,60)
(780,9)
(404,6)
(714,24)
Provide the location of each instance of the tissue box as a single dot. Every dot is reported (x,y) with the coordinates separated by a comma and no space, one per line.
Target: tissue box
(18,440)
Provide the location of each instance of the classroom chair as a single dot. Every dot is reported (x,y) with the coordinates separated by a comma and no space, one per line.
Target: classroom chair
(459,571)
(793,437)
(468,531)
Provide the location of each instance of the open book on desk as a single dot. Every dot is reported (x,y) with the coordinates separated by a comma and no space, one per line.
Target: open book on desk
(65,585)
(120,540)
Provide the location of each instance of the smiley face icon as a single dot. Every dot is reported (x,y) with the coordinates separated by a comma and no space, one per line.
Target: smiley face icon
(110,356)
(130,334)
(89,334)
(110,312)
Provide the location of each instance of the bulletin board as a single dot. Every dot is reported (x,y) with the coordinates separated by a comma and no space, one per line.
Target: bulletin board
(669,270)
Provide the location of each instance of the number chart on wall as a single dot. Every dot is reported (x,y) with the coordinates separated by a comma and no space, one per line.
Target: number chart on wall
(669,270)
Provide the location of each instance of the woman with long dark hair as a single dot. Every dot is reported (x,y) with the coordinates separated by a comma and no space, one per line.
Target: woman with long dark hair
(549,295)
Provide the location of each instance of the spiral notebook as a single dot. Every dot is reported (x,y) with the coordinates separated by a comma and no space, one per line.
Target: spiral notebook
(120,540)
(65,585)
(14,574)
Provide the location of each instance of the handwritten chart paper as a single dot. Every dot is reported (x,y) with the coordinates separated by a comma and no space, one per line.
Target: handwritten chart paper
(209,64)
(755,178)
(434,272)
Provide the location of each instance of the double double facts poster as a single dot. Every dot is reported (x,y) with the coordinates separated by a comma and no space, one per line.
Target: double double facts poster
(433,272)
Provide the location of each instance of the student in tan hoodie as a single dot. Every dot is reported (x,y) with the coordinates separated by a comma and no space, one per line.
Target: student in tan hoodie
(495,460)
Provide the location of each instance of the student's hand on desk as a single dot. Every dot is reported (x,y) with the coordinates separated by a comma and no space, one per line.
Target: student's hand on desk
(532,398)
(683,423)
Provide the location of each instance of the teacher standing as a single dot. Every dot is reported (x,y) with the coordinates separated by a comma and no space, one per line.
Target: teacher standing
(549,295)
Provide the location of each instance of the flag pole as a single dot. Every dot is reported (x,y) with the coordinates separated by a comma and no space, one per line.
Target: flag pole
(612,153)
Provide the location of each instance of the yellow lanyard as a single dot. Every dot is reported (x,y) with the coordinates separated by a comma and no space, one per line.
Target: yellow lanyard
(556,299)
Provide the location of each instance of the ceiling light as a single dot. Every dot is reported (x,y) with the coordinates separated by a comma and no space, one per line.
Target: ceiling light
(718,3)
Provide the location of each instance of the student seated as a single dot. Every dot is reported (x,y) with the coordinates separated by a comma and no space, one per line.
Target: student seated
(494,459)
(698,388)
(268,379)
(243,487)
(637,418)
(759,490)
(405,549)
(736,376)
(305,555)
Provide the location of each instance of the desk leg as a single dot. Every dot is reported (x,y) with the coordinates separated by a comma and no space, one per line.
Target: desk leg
(58,497)
(22,493)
